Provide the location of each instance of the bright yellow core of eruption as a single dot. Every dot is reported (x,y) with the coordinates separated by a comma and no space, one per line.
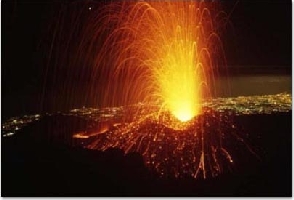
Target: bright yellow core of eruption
(179,67)
(179,83)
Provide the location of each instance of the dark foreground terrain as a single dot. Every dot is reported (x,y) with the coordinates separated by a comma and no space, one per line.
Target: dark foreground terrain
(32,166)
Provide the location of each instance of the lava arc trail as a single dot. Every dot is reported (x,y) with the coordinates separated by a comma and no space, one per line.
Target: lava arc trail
(166,53)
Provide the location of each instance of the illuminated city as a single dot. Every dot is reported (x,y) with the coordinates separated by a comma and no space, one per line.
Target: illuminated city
(164,148)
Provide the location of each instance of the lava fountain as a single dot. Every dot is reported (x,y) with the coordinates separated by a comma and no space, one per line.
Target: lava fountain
(165,55)
(161,52)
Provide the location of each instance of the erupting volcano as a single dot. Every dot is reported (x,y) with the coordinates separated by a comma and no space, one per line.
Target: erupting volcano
(162,58)
(156,64)
(146,97)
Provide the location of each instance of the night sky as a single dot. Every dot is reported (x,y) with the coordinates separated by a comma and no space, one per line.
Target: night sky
(260,36)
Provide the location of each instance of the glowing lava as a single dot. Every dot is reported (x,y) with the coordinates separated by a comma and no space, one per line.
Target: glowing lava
(180,92)
(161,52)
(179,81)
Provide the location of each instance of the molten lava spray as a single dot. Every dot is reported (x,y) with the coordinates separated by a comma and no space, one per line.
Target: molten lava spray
(175,64)
(162,53)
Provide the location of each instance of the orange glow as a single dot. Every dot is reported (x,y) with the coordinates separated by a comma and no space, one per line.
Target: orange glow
(161,53)
(104,127)
(176,73)
(179,83)
(81,135)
